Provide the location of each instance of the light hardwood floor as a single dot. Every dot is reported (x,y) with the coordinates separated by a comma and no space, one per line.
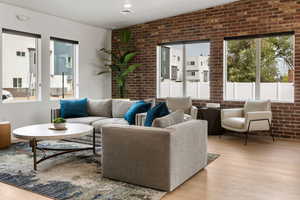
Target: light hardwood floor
(263,170)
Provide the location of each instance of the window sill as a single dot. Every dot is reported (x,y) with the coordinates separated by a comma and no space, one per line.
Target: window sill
(22,102)
(272,101)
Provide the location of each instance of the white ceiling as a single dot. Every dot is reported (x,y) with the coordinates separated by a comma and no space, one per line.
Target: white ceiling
(106,13)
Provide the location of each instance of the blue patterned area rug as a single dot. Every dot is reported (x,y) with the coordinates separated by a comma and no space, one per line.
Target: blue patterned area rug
(68,177)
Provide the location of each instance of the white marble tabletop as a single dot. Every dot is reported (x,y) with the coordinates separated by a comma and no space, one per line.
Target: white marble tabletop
(42,132)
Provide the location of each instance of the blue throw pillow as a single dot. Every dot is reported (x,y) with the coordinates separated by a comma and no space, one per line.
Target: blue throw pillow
(73,108)
(138,107)
(159,110)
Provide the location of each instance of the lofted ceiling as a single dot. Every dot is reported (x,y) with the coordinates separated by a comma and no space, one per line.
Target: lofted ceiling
(106,13)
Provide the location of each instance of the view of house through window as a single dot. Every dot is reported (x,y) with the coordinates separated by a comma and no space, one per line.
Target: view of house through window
(260,68)
(20,80)
(62,69)
(184,70)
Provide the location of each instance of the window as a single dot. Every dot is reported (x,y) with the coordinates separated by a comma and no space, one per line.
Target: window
(17,82)
(20,79)
(260,68)
(63,68)
(187,78)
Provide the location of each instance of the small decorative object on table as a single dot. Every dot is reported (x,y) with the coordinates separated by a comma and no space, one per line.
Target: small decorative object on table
(59,124)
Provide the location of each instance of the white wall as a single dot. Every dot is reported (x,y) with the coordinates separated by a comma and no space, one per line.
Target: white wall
(90,39)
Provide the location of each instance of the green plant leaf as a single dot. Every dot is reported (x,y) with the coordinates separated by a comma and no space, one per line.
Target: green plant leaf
(125,36)
(130,69)
(128,57)
(104,72)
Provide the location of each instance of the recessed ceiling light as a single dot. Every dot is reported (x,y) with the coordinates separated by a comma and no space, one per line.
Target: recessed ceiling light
(127,5)
(126,11)
(126,8)
(22,18)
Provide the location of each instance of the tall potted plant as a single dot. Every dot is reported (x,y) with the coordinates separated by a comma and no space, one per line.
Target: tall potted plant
(120,61)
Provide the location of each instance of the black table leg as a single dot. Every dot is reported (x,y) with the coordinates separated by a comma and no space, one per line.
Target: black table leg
(94,141)
(33,144)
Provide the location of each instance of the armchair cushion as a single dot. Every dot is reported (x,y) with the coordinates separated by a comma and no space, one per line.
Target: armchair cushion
(234,112)
(253,106)
(180,103)
(234,122)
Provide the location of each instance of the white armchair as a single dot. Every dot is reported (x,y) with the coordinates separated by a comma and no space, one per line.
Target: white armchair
(255,116)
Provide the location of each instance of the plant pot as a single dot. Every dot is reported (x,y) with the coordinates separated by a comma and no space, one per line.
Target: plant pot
(59,125)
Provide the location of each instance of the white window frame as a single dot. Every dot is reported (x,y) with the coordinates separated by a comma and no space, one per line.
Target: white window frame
(38,64)
(258,70)
(75,70)
(158,68)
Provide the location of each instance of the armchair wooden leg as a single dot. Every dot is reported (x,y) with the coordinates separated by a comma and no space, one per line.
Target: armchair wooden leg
(246,138)
(271,131)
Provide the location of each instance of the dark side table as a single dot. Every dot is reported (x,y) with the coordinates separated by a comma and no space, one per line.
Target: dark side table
(213,117)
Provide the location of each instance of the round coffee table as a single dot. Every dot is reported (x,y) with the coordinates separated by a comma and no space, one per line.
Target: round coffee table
(41,132)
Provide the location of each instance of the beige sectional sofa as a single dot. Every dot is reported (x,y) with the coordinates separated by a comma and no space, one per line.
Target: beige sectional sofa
(101,112)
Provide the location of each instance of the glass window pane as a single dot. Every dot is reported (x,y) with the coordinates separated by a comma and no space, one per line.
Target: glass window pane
(171,71)
(197,70)
(241,69)
(20,69)
(277,68)
(62,69)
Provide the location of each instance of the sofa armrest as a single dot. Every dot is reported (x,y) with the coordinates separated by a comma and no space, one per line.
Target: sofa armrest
(233,112)
(259,120)
(154,157)
(188,150)
(140,119)
(137,155)
(194,112)
(55,113)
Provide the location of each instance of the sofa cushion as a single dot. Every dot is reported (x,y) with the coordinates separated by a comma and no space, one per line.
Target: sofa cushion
(234,122)
(101,107)
(138,107)
(254,106)
(73,108)
(169,120)
(85,120)
(98,124)
(180,103)
(120,107)
(160,110)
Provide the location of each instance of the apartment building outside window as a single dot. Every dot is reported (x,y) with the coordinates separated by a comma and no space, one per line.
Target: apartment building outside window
(183,76)
(20,66)
(260,68)
(63,68)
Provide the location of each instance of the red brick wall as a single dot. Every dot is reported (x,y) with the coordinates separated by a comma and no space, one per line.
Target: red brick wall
(245,17)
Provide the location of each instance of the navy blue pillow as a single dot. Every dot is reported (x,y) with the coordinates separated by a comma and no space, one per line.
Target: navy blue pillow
(138,107)
(159,110)
(73,108)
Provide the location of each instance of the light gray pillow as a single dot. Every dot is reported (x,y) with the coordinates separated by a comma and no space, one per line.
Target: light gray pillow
(120,107)
(101,107)
(169,120)
(179,103)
